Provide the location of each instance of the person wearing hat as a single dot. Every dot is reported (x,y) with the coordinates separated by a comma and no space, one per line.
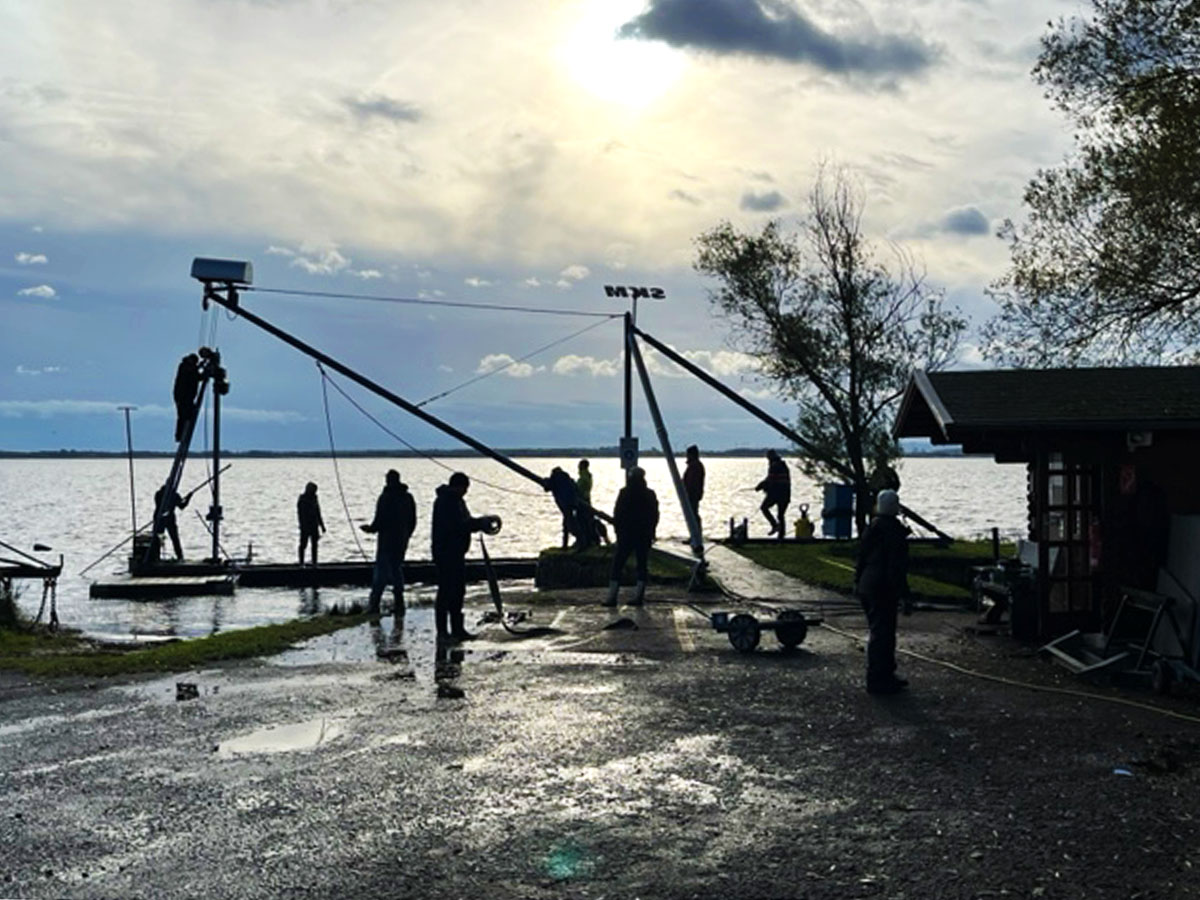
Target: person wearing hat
(308,512)
(881,584)
(452,527)
(635,518)
(394,522)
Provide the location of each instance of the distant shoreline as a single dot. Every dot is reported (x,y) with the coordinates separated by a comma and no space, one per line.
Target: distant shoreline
(591,452)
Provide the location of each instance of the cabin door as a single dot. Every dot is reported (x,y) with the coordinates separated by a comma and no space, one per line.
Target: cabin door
(1066,496)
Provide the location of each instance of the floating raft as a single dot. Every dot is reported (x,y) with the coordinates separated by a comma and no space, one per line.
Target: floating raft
(162,588)
(190,578)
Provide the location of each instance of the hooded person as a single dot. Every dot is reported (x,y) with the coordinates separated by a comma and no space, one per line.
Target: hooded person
(394,522)
(635,517)
(308,515)
(452,528)
(881,585)
(566,497)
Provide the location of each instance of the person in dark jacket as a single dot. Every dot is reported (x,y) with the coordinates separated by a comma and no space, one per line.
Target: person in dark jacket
(566,498)
(168,523)
(394,522)
(308,513)
(693,479)
(453,525)
(881,584)
(187,382)
(635,518)
(778,488)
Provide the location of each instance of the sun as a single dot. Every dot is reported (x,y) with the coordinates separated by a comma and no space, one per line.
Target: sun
(629,73)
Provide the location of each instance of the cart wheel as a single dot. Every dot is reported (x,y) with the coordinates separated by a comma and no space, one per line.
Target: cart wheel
(1161,677)
(792,628)
(744,632)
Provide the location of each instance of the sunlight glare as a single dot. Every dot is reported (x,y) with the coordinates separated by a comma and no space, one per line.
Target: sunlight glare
(626,72)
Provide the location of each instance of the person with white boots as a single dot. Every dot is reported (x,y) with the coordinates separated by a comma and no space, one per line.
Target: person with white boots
(635,518)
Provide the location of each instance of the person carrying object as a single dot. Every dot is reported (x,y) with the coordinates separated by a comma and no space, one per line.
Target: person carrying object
(452,527)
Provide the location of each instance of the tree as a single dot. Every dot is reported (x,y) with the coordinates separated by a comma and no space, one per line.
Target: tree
(1107,267)
(837,330)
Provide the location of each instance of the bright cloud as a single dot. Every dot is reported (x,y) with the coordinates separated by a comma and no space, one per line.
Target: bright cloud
(31,259)
(322,262)
(44,370)
(476,282)
(494,362)
(44,291)
(723,362)
(586,365)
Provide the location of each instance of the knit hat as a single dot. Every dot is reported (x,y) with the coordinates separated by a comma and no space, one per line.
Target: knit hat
(887,503)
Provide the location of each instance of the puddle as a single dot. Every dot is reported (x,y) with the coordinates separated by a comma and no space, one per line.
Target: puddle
(283,738)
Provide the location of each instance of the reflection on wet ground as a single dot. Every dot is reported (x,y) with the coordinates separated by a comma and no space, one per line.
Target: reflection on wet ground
(282,738)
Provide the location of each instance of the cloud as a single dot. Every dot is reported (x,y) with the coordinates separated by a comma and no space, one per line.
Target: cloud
(279,251)
(775,29)
(532,281)
(586,365)
(44,370)
(366,274)
(475,281)
(323,262)
(31,259)
(684,197)
(724,363)
(380,106)
(494,362)
(45,409)
(769,201)
(965,220)
(44,291)
(571,275)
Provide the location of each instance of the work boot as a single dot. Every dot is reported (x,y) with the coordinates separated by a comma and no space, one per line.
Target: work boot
(639,594)
(613,588)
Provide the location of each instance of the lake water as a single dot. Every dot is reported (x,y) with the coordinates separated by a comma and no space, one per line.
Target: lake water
(81,508)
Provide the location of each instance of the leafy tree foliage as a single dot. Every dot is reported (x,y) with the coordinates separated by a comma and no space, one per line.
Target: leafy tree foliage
(1107,268)
(837,330)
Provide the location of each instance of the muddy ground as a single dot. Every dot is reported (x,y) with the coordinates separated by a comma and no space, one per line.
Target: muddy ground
(634,762)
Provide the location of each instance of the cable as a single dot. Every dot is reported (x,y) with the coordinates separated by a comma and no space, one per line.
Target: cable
(420,453)
(511,363)
(448,303)
(1069,692)
(337,474)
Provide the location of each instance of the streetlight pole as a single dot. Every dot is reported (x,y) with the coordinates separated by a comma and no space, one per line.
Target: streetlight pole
(129,448)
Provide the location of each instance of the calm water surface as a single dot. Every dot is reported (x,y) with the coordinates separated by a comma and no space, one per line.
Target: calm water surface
(81,508)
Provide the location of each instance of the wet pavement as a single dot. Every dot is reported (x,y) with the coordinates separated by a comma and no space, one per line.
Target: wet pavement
(645,760)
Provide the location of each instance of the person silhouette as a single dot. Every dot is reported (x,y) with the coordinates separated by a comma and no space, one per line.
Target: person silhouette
(187,381)
(778,493)
(452,527)
(635,517)
(308,512)
(394,522)
(168,523)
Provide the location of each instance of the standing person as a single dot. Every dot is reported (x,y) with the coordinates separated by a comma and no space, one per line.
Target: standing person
(881,584)
(693,479)
(566,497)
(394,522)
(168,523)
(187,381)
(308,512)
(585,517)
(635,518)
(778,488)
(453,525)
(883,477)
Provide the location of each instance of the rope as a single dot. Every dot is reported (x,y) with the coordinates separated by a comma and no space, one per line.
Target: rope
(417,452)
(447,303)
(1068,692)
(337,473)
(512,363)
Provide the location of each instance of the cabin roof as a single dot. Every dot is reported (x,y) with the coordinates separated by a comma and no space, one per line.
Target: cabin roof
(964,407)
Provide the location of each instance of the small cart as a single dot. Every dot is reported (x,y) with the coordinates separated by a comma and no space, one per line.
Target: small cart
(745,631)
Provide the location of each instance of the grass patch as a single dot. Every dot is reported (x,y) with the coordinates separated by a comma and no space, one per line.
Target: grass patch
(940,574)
(66,655)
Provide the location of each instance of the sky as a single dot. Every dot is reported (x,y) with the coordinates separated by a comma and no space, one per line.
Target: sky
(515,153)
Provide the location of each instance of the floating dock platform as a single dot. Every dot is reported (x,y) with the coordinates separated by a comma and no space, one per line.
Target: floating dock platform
(188,579)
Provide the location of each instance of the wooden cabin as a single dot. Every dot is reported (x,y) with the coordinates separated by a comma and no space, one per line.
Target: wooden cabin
(1113,461)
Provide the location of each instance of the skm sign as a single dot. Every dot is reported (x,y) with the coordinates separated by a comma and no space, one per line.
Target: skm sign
(634,292)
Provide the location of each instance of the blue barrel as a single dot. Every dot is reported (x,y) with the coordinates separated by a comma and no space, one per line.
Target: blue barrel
(837,516)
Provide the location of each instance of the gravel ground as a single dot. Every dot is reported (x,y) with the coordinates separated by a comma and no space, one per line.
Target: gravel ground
(647,761)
